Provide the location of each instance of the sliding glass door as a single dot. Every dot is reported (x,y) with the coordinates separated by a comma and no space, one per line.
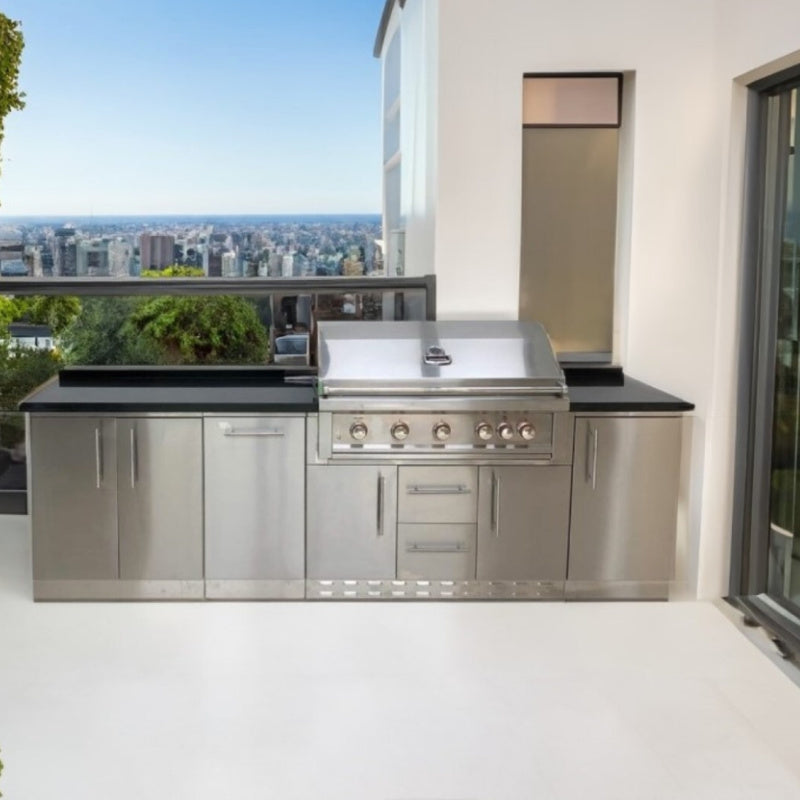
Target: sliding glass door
(765,575)
(783,565)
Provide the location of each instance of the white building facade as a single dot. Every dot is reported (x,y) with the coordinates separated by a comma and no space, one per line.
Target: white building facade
(686,65)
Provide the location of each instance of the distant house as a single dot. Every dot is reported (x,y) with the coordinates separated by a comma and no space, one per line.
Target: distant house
(31,337)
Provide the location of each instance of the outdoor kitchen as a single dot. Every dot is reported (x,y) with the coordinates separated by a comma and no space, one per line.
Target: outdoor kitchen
(420,460)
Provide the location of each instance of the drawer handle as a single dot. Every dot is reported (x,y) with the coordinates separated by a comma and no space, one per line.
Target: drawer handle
(441,489)
(229,430)
(437,547)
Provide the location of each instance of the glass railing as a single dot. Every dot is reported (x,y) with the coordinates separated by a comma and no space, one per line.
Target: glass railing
(48,324)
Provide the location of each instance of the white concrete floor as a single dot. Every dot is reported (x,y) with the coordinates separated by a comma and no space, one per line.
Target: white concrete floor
(433,701)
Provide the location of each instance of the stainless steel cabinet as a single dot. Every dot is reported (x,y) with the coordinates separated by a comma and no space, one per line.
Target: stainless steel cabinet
(73,499)
(523,523)
(159,498)
(254,506)
(624,498)
(352,522)
(116,507)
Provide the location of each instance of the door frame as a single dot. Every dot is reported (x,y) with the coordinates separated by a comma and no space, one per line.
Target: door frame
(765,173)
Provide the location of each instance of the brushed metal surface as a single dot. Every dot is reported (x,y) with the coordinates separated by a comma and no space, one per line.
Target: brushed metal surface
(254,498)
(617,590)
(624,499)
(393,357)
(436,552)
(160,498)
(73,471)
(118,590)
(528,540)
(445,494)
(569,212)
(344,537)
(406,590)
(255,589)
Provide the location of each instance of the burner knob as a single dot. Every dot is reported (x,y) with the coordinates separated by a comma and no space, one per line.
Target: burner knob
(441,431)
(505,431)
(526,430)
(358,430)
(400,431)
(483,431)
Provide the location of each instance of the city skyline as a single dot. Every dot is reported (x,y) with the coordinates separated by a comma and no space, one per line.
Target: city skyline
(176,108)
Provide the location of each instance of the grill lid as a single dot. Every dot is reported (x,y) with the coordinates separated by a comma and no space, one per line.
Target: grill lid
(423,358)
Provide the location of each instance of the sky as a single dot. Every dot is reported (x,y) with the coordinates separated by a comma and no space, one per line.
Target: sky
(194,107)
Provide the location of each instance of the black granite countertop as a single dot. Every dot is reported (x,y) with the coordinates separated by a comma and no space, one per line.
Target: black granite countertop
(152,390)
(231,390)
(608,389)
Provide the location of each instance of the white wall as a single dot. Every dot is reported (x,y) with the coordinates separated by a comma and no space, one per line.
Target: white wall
(679,254)
(418,127)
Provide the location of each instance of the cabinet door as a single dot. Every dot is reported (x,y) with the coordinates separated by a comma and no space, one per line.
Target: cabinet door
(160,501)
(523,525)
(624,498)
(254,498)
(73,498)
(352,522)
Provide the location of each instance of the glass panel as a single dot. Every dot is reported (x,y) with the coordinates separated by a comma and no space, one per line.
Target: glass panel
(784,555)
(570,100)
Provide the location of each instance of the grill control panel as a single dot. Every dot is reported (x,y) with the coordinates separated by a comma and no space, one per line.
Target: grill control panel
(409,433)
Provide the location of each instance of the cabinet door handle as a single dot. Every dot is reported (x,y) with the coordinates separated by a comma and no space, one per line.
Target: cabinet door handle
(229,430)
(495,516)
(437,489)
(98,455)
(591,461)
(381,492)
(133,457)
(437,547)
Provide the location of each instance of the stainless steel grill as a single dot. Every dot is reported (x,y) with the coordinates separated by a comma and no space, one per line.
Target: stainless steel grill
(442,462)
(445,389)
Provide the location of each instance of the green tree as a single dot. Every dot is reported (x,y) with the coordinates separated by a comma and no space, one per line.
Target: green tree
(217,329)
(11,45)
(174,271)
(55,311)
(102,334)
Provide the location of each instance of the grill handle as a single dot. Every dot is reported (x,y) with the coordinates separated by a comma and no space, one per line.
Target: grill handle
(459,488)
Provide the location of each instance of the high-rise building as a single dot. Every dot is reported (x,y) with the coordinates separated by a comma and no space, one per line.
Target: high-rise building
(231,266)
(92,258)
(156,250)
(65,253)
(214,263)
(287,266)
(120,258)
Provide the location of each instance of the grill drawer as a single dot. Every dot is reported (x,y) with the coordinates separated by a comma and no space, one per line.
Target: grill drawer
(436,552)
(438,494)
